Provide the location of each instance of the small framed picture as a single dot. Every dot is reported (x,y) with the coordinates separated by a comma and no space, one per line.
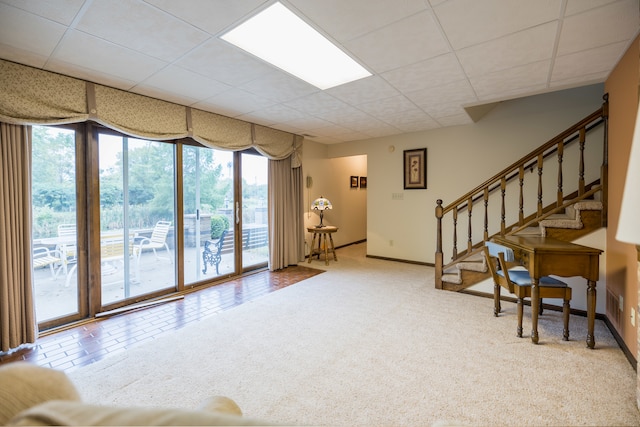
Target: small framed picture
(363,182)
(354,182)
(415,169)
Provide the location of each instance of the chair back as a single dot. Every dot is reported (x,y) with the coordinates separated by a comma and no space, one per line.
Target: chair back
(160,232)
(497,257)
(66,230)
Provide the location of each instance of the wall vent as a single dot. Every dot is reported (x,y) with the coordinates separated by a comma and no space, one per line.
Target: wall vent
(613,309)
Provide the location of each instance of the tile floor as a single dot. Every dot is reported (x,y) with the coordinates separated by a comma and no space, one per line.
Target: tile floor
(91,341)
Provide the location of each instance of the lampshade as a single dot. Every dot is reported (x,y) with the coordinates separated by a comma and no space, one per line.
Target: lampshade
(629,225)
(321,204)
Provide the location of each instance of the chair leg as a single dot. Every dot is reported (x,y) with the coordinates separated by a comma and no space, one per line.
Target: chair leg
(541,309)
(520,315)
(496,300)
(565,317)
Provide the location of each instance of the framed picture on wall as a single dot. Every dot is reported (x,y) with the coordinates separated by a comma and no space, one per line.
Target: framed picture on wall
(363,182)
(354,182)
(415,169)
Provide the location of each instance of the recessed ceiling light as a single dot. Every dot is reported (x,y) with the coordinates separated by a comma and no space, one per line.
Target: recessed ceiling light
(281,38)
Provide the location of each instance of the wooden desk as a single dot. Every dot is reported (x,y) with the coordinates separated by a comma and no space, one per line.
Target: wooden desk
(322,233)
(544,256)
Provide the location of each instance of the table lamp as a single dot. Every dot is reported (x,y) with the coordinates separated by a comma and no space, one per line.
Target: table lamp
(321,204)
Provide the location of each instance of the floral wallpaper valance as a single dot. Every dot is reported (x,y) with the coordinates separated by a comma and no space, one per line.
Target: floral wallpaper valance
(33,96)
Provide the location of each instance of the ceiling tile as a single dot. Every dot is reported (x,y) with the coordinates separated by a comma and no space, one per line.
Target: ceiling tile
(183,82)
(234,102)
(141,27)
(513,80)
(577,6)
(223,62)
(531,45)
(443,97)
(404,42)
(346,20)
(385,107)
(363,90)
(433,72)
(210,16)
(61,11)
(599,27)
(276,113)
(40,40)
(469,22)
(587,62)
(317,104)
(90,74)
(279,86)
(96,54)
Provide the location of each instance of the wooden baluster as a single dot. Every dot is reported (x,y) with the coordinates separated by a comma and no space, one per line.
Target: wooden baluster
(560,154)
(503,212)
(469,211)
(521,182)
(439,255)
(486,213)
(455,233)
(540,161)
(581,172)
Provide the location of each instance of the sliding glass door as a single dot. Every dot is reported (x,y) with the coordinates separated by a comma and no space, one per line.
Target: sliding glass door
(54,229)
(105,228)
(255,235)
(208,199)
(137,217)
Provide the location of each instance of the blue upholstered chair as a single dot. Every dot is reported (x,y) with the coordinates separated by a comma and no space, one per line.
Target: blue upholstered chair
(508,274)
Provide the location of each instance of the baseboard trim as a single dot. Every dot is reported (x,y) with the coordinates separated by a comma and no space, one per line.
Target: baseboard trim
(406,261)
(632,360)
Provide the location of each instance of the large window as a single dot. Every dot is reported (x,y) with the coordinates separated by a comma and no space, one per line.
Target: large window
(118,220)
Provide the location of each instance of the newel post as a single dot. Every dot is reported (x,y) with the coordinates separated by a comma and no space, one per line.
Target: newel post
(439,255)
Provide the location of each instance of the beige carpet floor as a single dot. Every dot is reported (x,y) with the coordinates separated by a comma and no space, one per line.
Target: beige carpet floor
(373,343)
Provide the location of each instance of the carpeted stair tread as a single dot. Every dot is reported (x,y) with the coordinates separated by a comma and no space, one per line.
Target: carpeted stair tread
(571,219)
(529,231)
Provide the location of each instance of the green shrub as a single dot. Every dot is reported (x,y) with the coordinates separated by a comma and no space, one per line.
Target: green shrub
(219,223)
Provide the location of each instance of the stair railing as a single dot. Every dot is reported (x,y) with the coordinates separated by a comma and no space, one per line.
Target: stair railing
(498,190)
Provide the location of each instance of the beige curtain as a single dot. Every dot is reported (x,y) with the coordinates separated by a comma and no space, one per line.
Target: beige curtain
(30,96)
(286,214)
(17,312)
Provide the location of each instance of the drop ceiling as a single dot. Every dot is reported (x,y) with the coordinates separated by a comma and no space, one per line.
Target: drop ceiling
(433,61)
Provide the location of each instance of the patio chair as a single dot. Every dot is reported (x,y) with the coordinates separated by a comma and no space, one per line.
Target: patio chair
(212,253)
(67,246)
(44,257)
(158,240)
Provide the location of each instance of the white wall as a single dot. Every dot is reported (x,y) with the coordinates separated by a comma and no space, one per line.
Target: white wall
(458,159)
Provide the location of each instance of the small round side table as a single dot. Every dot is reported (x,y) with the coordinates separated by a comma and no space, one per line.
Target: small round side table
(321,233)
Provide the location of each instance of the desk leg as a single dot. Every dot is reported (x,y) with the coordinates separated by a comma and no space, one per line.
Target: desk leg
(313,242)
(333,249)
(535,309)
(591,313)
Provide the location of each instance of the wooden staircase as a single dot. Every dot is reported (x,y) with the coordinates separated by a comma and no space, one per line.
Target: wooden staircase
(581,150)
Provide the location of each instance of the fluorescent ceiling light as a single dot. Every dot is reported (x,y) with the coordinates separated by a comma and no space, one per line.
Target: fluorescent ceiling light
(281,38)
